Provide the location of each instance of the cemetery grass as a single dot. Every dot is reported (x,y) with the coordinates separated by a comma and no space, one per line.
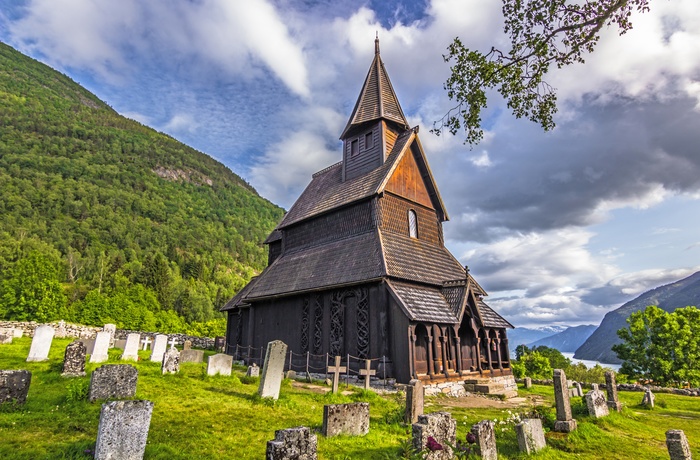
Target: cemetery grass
(198,416)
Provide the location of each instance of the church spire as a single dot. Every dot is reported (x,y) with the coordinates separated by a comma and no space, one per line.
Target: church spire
(377,98)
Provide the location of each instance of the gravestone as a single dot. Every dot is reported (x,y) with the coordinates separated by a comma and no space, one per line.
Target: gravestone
(290,374)
(486,439)
(18,333)
(191,356)
(596,403)
(41,344)
(14,386)
(414,401)
(113,381)
(100,353)
(187,345)
(442,428)
(123,430)
(367,372)
(648,399)
(112,330)
(253,371)
(336,370)
(171,361)
(158,349)
(611,390)
(677,445)
(273,370)
(292,444)
(74,360)
(89,345)
(220,344)
(121,344)
(565,422)
(131,347)
(579,390)
(219,364)
(594,386)
(348,419)
(61,330)
(528,382)
(530,435)
(6,337)
(146,343)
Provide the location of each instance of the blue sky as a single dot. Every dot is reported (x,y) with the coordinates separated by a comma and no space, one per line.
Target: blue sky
(558,227)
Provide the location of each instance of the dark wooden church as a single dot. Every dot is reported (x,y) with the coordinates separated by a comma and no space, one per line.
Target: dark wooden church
(358,265)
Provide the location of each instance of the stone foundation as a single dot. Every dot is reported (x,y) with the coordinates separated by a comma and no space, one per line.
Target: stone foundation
(502,385)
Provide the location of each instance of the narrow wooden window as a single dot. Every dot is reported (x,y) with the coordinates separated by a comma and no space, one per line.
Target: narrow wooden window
(412,224)
(369,141)
(354,147)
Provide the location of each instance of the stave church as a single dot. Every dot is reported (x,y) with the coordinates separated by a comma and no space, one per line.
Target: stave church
(358,265)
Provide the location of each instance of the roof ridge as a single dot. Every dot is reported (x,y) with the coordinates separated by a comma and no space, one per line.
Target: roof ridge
(326,169)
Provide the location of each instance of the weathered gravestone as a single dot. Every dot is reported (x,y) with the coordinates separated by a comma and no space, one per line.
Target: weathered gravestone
(611,390)
(14,386)
(191,356)
(486,439)
(131,347)
(292,444)
(442,428)
(594,386)
(187,345)
(677,445)
(414,401)
(220,344)
(578,389)
(159,346)
(18,333)
(123,430)
(61,330)
(290,374)
(253,371)
(120,344)
(74,360)
(349,419)
(171,361)
(89,345)
(41,344)
(111,329)
(530,435)
(648,399)
(100,353)
(6,337)
(113,381)
(528,382)
(219,364)
(273,370)
(596,403)
(565,422)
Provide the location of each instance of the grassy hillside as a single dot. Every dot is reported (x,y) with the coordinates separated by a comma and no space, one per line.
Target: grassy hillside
(109,219)
(196,416)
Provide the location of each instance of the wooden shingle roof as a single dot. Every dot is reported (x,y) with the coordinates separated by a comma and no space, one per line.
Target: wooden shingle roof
(490,318)
(422,303)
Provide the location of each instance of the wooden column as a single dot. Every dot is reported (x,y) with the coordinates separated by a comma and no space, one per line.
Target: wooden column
(488,348)
(458,352)
(431,369)
(412,351)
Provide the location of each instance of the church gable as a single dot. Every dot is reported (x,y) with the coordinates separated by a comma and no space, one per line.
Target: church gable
(407,181)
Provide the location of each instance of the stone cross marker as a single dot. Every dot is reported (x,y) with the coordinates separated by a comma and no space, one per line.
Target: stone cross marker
(273,370)
(172,342)
(414,401)
(113,381)
(336,370)
(367,372)
(158,348)
(74,360)
(123,430)
(565,422)
(100,352)
(486,439)
(530,435)
(442,428)
(14,386)
(677,445)
(596,403)
(611,390)
(171,361)
(349,419)
(41,344)
(131,348)
(219,364)
(292,444)
(146,343)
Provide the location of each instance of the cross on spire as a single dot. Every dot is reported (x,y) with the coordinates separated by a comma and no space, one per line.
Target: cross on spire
(376,44)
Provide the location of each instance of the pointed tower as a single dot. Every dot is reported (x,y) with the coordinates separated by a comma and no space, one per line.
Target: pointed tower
(375,123)
(358,266)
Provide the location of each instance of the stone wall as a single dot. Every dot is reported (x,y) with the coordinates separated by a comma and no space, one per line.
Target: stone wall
(456,389)
(630,387)
(89,332)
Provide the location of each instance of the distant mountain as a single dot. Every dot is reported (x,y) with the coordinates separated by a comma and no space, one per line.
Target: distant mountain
(669,297)
(524,335)
(568,340)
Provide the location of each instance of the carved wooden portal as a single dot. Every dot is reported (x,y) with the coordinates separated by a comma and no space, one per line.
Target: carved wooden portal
(349,332)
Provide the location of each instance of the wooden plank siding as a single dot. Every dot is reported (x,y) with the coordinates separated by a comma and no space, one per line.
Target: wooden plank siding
(367,158)
(407,181)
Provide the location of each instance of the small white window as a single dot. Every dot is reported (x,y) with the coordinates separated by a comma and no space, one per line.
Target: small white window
(412,224)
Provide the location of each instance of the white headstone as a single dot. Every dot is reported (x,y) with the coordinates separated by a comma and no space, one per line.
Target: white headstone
(158,349)
(219,364)
(123,430)
(18,333)
(112,329)
(273,370)
(100,353)
(131,349)
(41,344)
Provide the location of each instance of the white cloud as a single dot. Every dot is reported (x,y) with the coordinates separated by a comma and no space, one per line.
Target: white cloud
(181,122)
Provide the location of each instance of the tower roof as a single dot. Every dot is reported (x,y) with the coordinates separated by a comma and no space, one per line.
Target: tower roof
(377,99)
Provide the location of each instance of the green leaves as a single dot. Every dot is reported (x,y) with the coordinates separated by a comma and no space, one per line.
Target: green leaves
(542,33)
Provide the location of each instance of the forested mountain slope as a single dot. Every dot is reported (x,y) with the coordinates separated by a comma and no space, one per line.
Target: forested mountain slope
(103,219)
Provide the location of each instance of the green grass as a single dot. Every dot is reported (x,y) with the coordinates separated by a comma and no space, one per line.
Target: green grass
(197,416)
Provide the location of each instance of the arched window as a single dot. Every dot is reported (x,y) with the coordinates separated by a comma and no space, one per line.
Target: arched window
(412,224)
